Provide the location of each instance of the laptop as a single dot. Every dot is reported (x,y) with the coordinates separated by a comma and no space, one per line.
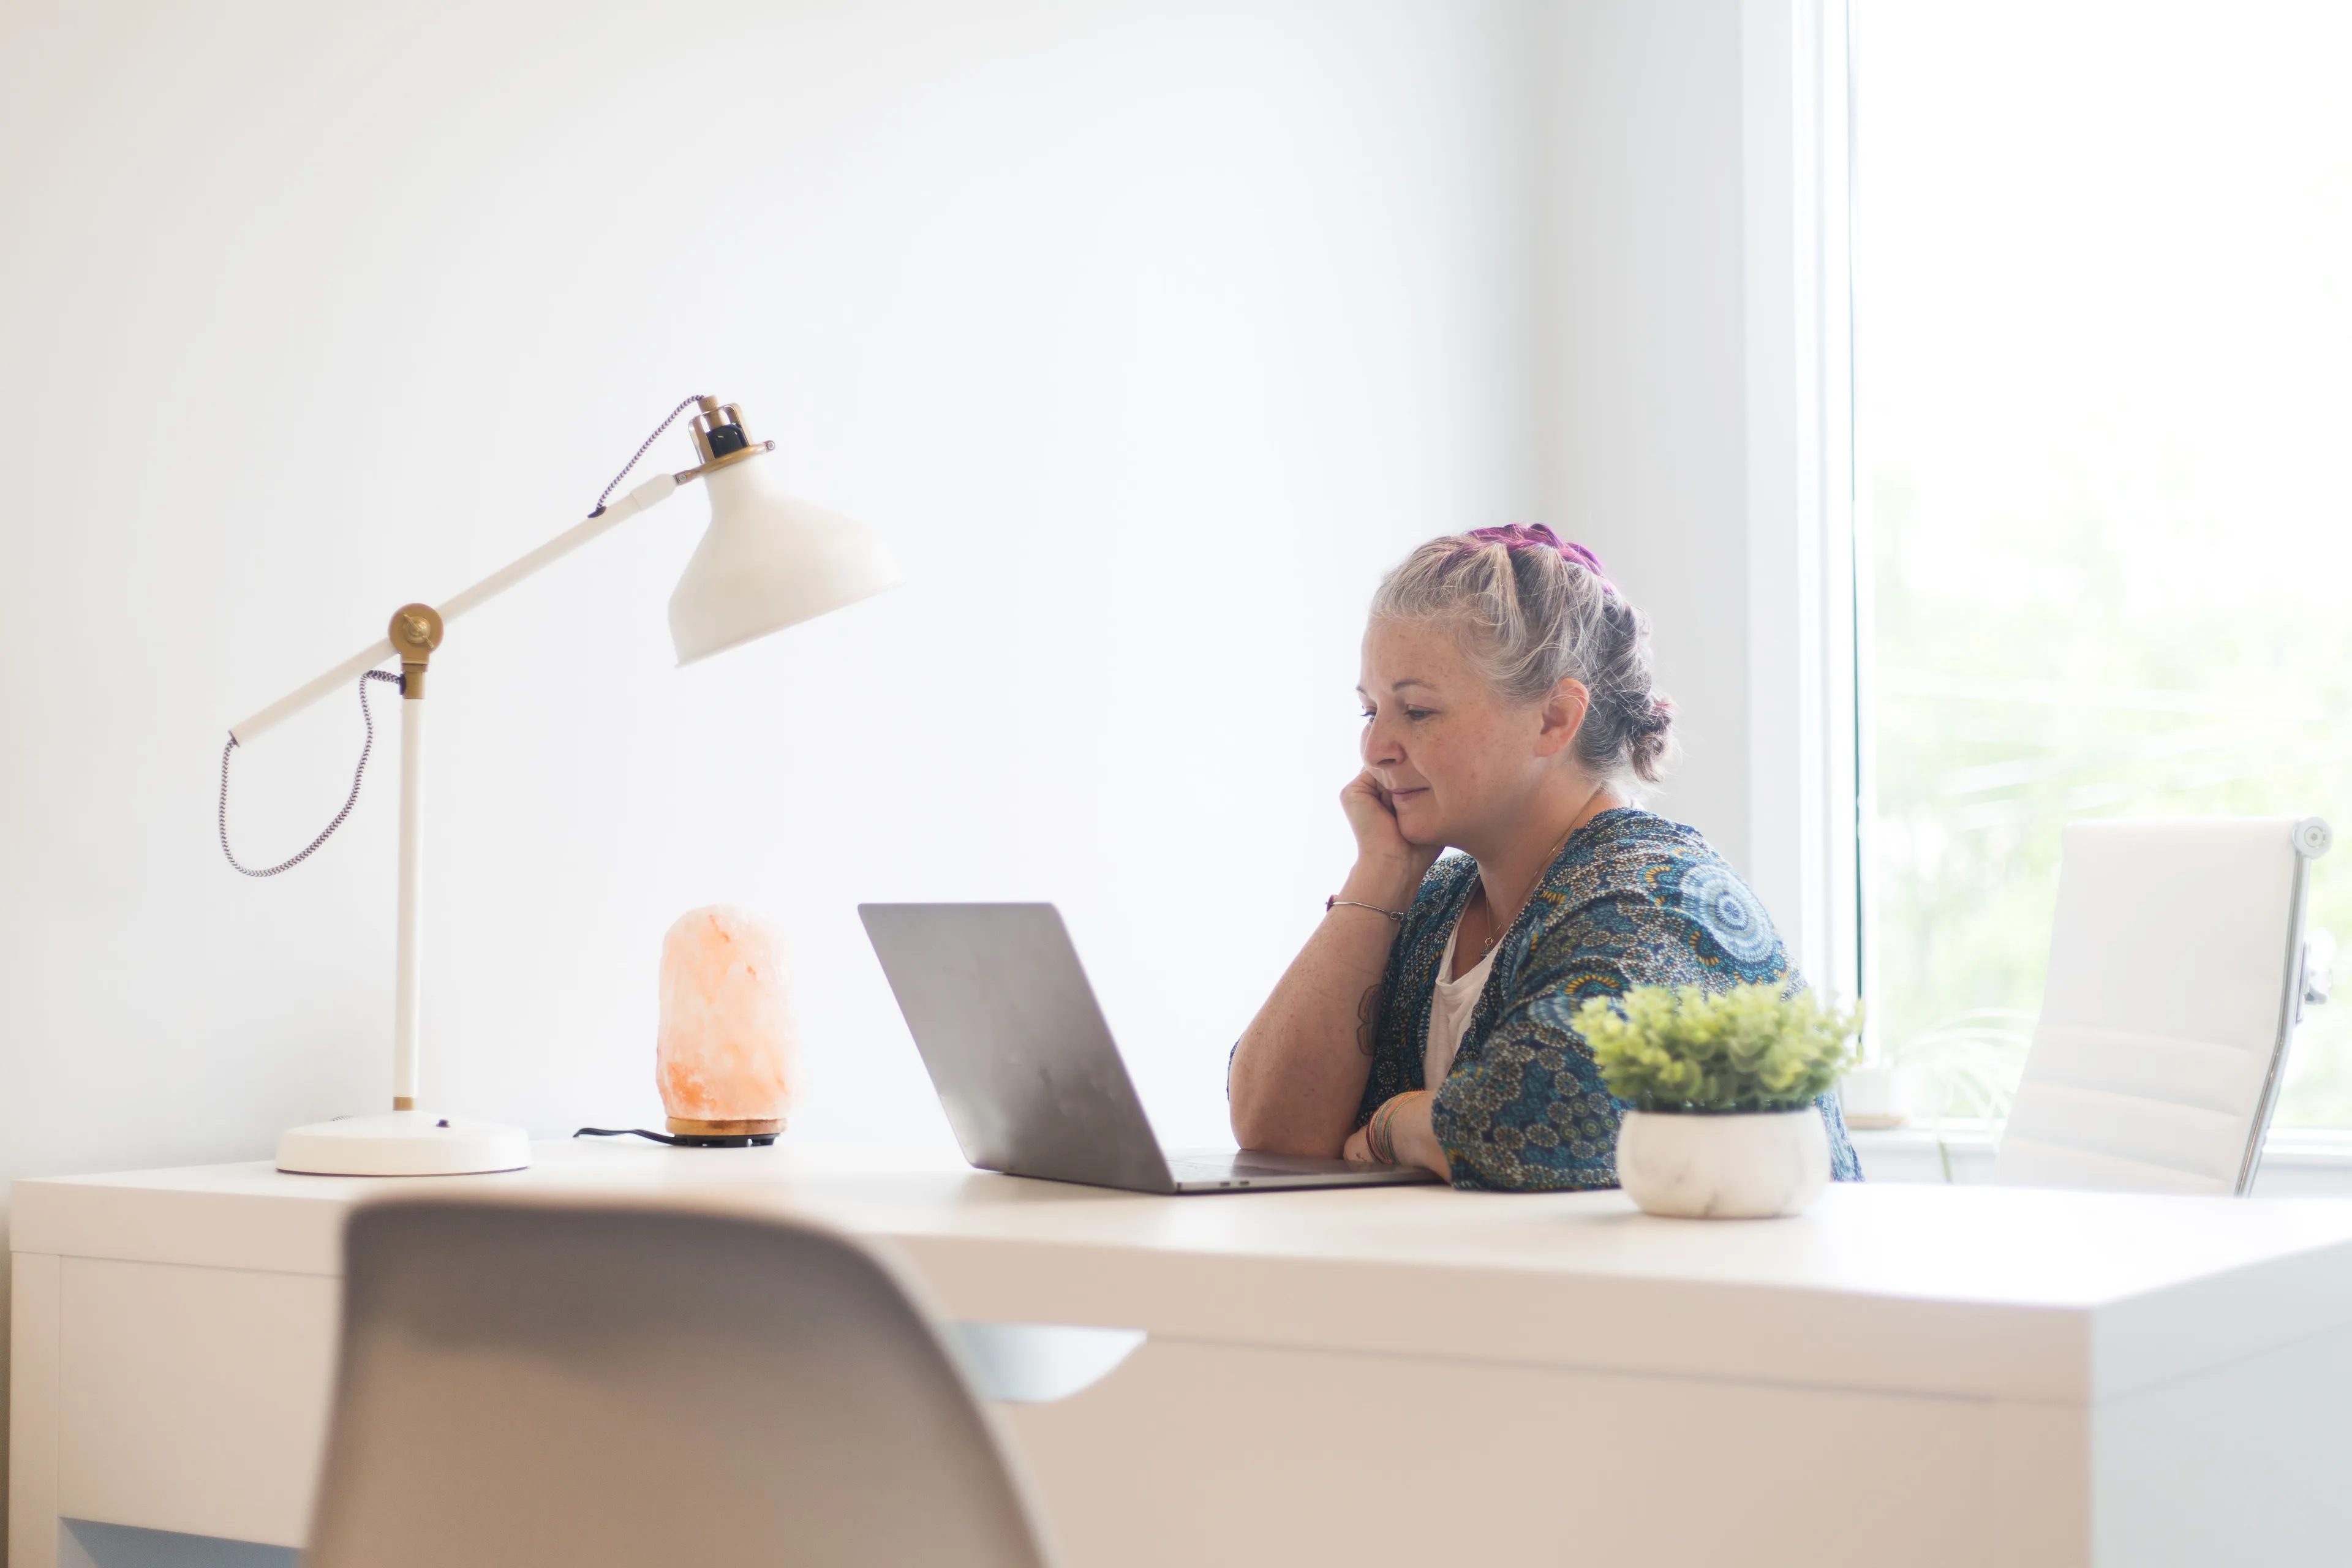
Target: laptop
(1024,1065)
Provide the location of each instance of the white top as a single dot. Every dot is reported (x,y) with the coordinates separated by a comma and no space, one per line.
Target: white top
(1449,1012)
(1962,1291)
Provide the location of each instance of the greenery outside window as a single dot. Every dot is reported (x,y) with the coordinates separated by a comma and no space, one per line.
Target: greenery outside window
(2102,327)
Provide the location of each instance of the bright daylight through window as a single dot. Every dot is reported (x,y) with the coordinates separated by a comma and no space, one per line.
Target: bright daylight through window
(2103,384)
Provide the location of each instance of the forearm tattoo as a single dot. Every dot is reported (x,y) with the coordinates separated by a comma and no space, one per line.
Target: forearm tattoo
(1368,1017)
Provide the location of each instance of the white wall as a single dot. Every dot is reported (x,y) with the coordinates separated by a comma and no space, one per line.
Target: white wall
(1692,408)
(1646,379)
(1149,333)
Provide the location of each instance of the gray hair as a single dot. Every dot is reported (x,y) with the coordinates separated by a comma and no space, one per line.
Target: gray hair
(1530,611)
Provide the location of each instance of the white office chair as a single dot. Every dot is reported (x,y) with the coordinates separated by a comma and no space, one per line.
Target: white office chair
(528,1386)
(2178,967)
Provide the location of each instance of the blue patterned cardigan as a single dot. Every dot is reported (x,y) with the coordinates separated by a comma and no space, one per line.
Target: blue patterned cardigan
(1631,900)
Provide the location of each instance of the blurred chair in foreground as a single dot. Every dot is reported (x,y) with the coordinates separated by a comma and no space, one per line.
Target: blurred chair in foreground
(533,1385)
(2178,967)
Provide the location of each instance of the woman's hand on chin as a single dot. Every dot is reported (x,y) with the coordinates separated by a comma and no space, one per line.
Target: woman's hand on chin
(1388,866)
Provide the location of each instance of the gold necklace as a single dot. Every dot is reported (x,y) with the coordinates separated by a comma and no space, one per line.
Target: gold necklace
(1495,929)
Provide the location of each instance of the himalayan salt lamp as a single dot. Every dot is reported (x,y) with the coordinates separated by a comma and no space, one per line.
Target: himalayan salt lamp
(728,1055)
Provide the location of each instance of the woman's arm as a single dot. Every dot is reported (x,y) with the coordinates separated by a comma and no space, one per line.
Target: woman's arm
(1525,1107)
(1412,1141)
(1298,1072)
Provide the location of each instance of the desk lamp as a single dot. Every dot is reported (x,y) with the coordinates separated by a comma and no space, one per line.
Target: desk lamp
(766,562)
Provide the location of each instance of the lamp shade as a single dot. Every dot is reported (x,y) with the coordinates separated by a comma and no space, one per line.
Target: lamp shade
(768,561)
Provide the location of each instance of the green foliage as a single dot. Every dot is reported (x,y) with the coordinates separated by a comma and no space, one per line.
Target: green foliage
(1966,1068)
(1748,1049)
(2110,584)
(2075,681)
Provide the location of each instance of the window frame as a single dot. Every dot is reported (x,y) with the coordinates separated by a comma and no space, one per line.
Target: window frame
(1808,762)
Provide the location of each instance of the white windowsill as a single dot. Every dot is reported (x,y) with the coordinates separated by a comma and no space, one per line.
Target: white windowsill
(2297,1162)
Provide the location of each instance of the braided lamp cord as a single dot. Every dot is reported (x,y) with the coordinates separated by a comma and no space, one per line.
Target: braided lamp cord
(368,718)
(349,801)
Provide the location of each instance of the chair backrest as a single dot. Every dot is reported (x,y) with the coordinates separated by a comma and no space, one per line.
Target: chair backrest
(2174,983)
(528,1384)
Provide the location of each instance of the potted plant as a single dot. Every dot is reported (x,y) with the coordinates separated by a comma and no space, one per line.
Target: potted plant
(1721,1085)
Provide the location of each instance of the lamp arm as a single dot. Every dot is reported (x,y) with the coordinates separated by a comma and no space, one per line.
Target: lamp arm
(654,491)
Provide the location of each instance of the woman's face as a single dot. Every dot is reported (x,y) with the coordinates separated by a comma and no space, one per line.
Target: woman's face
(1459,761)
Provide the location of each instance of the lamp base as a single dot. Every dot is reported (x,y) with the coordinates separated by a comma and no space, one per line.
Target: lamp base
(403,1143)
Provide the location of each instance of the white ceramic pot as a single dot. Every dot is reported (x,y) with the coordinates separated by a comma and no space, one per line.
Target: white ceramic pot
(1750,1165)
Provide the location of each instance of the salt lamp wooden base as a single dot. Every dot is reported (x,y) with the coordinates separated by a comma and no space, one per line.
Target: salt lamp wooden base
(687,1127)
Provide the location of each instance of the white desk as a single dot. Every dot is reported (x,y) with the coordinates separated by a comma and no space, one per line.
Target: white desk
(1911,1374)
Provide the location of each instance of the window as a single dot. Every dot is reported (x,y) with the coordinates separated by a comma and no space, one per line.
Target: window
(2104,424)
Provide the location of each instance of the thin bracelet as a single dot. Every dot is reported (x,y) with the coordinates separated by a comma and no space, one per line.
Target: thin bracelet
(1336,901)
(1379,1141)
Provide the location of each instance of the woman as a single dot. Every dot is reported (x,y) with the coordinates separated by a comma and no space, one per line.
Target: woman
(1507,713)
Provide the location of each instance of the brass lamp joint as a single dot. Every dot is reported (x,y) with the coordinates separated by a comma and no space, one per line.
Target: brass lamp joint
(719,438)
(415,633)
